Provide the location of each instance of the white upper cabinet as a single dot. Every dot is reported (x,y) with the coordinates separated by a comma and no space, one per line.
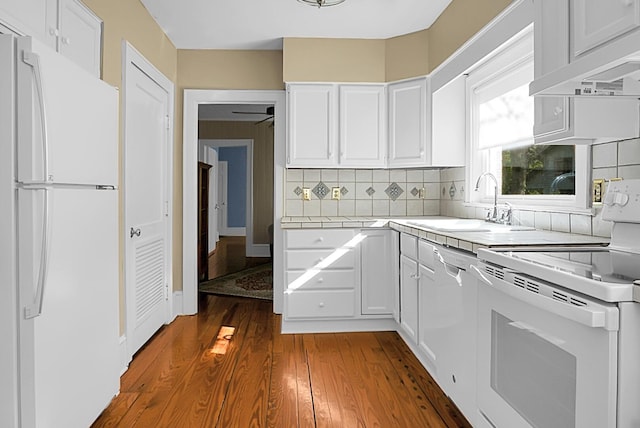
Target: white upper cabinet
(65,25)
(362,126)
(572,120)
(595,22)
(79,35)
(28,17)
(407,103)
(312,113)
(339,126)
(448,124)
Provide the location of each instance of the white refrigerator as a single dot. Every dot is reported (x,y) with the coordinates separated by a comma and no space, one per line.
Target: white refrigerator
(59,359)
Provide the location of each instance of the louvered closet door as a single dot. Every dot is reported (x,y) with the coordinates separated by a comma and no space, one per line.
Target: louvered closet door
(145,206)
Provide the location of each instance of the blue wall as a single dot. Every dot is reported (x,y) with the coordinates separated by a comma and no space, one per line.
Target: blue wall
(236,158)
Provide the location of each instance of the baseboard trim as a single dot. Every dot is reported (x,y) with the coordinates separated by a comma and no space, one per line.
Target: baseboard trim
(178,309)
(259,250)
(338,326)
(234,231)
(125,358)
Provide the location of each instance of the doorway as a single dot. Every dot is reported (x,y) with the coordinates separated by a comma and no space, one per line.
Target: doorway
(192,100)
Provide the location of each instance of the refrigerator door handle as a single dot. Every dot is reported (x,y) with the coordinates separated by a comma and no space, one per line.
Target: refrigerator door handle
(35,309)
(33,61)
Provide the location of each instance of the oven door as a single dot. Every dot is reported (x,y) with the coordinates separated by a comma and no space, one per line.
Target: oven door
(543,362)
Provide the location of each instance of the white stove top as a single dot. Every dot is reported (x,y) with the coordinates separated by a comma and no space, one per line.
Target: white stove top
(606,273)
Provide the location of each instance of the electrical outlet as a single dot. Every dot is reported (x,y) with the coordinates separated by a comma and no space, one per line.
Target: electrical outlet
(422,193)
(598,190)
(306,194)
(335,193)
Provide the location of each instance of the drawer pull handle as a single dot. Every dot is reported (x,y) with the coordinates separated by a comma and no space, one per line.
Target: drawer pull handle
(321,239)
(320,259)
(321,304)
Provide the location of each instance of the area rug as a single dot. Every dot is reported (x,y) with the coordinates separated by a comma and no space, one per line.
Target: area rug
(255,282)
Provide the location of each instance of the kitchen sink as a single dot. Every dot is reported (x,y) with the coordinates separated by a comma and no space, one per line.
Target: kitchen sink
(466,225)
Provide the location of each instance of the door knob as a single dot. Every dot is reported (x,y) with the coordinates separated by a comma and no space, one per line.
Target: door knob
(136,232)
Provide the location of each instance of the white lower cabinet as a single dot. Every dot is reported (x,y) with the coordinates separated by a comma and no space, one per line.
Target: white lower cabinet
(379,255)
(409,297)
(341,274)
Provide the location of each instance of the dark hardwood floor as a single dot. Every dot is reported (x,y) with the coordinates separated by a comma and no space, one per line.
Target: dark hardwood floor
(229,366)
(229,257)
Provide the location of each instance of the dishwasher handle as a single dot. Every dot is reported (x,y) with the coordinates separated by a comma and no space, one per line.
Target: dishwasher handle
(449,269)
(590,317)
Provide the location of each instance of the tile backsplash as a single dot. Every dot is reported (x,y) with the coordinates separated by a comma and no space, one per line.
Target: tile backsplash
(396,192)
(363,192)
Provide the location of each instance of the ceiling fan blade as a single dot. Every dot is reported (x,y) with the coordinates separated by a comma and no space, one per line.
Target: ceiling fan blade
(263,120)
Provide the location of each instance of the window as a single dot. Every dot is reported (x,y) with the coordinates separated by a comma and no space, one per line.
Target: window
(501,123)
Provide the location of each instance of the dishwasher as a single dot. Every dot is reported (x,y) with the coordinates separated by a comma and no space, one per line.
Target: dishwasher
(447,332)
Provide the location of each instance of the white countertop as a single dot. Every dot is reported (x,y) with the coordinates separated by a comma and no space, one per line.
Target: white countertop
(469,241)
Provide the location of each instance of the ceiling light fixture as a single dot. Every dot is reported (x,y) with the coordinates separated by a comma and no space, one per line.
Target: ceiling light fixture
(321,3)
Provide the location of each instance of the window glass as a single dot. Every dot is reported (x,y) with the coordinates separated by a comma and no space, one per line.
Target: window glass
(502,118)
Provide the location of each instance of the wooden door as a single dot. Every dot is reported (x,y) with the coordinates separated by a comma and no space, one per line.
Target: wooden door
(203,221)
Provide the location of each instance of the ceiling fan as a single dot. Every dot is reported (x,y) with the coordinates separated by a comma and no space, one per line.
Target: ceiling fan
(268,112)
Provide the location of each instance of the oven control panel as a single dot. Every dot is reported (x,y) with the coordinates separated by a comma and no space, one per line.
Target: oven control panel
(621,202)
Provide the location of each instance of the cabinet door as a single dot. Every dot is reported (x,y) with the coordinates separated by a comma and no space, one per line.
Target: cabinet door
(408,123)
(80,35)
(409,297)
(597,21)
(551,51)
(430,335)
(362,126)
(29,17)
(379,253)
(448,124)
(312,126)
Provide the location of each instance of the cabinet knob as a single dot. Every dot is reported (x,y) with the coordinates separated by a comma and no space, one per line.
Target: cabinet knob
(557,110)
(321,305)
(65,40)
(627,2)
(320,280)
(320,239)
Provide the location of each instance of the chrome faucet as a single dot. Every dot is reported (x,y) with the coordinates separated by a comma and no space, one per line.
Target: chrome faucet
(494,215)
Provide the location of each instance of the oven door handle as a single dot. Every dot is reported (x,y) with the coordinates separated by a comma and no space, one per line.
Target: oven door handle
(590,317)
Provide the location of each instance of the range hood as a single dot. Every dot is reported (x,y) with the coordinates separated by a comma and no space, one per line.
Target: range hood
(609,71)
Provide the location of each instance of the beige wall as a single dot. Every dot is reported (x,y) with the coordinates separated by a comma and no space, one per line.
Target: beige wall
(262,136)
(129,20)
(333,60)
(457,24)
(215,69)
(407,56)
(344,60)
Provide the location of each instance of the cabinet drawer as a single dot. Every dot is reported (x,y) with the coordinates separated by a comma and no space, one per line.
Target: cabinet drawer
(326,279)
(321,304)
(306,259)
(425,254)
(409,246)
(318,238)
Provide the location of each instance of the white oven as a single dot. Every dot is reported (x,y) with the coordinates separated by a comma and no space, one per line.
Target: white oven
(544,360)
(559,329)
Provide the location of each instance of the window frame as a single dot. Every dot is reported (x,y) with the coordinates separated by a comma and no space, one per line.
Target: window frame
(515,55)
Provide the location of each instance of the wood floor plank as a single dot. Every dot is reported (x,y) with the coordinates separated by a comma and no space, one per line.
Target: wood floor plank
(265,378)
(333,396)
(247,397)
(290,400)
(390,397)
(419,381)
(198,399)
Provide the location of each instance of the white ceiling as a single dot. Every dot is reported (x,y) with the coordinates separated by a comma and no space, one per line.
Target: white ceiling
(261,24)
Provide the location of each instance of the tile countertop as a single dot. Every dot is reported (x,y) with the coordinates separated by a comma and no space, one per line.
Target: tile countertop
(469,241)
